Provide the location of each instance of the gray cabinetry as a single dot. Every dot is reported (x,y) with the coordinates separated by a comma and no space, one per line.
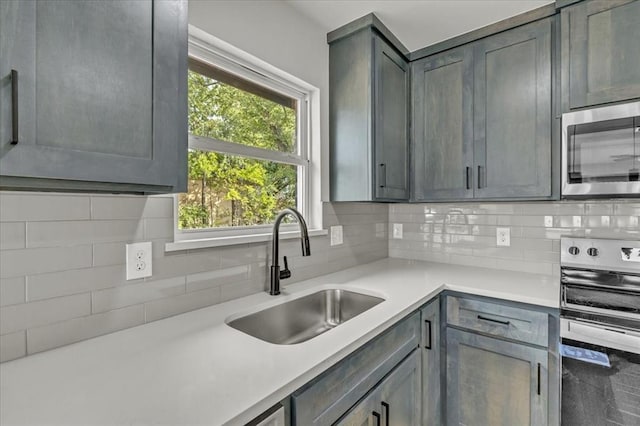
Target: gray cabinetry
(482,118)
(395,401)
(512,113)
(330,396)
(600,52)
(442,90)
(431,377)
(368,119)
(494,382)
(101,95)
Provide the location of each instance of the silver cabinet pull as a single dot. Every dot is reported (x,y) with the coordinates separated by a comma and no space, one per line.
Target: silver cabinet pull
(14,107)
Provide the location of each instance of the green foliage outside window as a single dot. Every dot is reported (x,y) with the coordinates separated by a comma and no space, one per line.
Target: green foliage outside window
(226,190)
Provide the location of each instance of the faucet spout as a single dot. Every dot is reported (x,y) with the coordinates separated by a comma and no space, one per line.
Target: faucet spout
(276,273)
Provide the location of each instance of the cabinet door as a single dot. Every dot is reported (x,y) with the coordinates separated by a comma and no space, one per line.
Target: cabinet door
(512,113)
(391,113)
(443,126)
(601,40)
(101,91)
(364,413)
(400,394)
(431,379)
(491,382)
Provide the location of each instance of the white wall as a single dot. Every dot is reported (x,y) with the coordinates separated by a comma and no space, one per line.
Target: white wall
(277,34)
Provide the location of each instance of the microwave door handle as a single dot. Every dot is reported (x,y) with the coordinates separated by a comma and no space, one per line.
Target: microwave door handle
(603,336)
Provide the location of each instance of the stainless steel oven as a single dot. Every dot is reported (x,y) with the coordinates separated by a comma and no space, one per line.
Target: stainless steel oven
(600,332)
(601,152)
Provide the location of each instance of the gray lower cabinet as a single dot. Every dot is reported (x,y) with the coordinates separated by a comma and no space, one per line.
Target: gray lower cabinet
(600,52)
(394,401)
(368,119)
(430,348)
(349,383)
(494,382)
(482,119)
(98,93)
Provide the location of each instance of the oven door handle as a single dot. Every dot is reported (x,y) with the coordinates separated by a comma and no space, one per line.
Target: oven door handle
(600,334)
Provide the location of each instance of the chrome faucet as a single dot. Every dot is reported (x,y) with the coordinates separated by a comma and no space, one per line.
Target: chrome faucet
(276,273)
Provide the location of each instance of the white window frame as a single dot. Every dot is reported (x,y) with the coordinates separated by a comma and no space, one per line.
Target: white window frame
(210,50)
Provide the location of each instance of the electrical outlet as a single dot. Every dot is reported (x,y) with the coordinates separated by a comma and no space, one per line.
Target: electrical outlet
(503,236)
(139,260)
(548,221)
(336,235)
(397,231)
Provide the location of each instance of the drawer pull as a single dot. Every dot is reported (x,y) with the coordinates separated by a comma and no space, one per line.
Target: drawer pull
(538,378)
(377,416)
(428,338)
(14,107)
(387,410)
(480,317)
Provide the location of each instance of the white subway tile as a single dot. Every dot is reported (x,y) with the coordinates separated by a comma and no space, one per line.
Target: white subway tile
(217,277)
(133,294)
(55,284)
(131,207)
(163,308)
(156,228)
(12,235)
(63,333)
(22,206)
(12,291)
(234,290)
(40,260)
(67,233)
(13,346)
(34,314)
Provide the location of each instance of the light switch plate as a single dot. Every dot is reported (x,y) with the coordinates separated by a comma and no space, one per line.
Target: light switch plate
(336,235)
(397,231)
(503,237)
(139,260)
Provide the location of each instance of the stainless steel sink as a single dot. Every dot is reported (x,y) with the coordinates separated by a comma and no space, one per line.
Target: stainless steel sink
(302,319)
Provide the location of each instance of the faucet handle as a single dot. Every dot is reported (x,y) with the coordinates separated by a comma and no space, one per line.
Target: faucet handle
(285,273)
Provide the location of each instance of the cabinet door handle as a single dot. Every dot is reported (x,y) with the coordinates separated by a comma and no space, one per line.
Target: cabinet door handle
(387,410)
(480,317)
(468,177)
(14,107)
(377,416)
(538,378)
(383,175)
(427,337)
(479,177)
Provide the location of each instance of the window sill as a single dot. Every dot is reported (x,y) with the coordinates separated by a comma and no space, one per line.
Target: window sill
(235,240)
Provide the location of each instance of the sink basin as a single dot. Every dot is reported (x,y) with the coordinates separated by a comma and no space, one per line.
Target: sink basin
(302,319)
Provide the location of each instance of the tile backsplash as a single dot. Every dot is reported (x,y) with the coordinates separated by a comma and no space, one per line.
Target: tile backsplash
(62,265)
(465,233)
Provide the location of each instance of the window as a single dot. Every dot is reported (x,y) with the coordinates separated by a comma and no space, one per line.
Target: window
(249,151)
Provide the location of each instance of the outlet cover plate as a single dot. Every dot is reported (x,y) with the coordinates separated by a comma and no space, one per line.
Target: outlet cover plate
(397,231)
(503,237)
(336,235)
(139,260)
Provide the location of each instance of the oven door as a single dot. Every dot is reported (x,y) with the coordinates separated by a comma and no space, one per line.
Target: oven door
(600,374)
(601,151)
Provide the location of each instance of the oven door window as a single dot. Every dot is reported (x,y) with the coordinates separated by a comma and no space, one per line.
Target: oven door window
(593,394)
(604,151)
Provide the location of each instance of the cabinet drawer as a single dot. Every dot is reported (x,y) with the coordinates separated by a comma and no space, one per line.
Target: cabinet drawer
(499,320)
(327,398)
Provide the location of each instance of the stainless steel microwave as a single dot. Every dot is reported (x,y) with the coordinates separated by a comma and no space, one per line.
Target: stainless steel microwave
(601,152)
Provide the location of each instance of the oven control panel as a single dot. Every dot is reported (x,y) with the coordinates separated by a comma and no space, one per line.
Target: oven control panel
(601,254)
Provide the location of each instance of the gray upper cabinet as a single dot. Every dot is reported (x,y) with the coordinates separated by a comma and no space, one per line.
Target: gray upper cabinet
(482,118)
(512,113)
(600,52)
(101,95)
(368,119)
(443,125)
(494,382)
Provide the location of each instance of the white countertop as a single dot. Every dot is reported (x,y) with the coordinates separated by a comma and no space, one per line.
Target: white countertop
(194,369)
